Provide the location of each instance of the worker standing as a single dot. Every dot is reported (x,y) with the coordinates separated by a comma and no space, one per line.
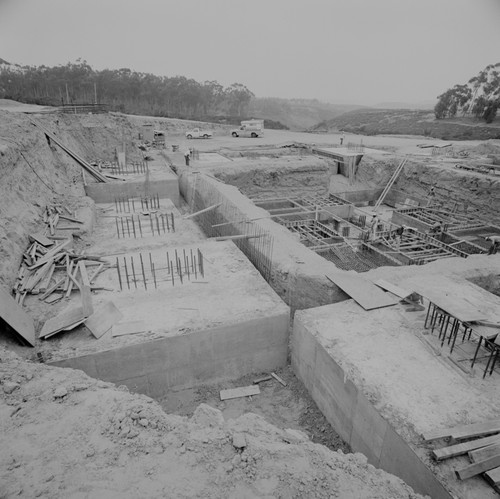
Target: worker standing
(495,243)
(187,156)
(373,226)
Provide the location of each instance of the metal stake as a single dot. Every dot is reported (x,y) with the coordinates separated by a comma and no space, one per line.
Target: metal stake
(119,275)
(126,272)
(133,270)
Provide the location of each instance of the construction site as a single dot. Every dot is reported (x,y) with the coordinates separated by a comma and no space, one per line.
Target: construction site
(280,316)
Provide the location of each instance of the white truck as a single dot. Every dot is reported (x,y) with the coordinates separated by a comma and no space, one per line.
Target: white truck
(198,133)
(249,128)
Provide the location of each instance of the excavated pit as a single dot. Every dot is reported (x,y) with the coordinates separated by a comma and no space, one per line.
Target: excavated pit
(294,272)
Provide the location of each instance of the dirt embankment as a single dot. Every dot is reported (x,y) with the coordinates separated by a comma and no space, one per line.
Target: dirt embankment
(35,172)
(452,186)
(64,434)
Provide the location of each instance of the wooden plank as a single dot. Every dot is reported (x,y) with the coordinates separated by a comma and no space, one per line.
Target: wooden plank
(244,391)
(364,292)
(103,319)
(392,288)
(493,477)
(277,378)
(459,449)
(465,431)
(52,288)
(41,239)
(48,256)
(477,468)
(261,380)
(62,322)
(203,211)
(485,453)
(20,322)
(64,217)
(133,327)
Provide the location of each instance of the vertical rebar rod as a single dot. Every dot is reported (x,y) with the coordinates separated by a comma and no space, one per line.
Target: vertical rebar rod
(163,222)
(194,268)
(140,226)
(180,271)
(151,224)
(150,263)
(123,228)
(192,264)
(133,271)
(116,206)
(126,272)
(128,227)
(154,275)
(177,261)
(168,225)
(128,203)
(143,273)
(117,228)
(168,264)
(173,224)
(157,224)
(133,205)
(119,275)
(133,226)
(172,272)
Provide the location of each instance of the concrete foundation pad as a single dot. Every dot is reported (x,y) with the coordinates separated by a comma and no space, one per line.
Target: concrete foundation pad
(380,386)
(161,181)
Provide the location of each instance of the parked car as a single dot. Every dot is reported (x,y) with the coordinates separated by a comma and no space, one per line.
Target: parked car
(197,133)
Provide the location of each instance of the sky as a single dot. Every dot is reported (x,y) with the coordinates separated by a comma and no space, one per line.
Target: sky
(341,51)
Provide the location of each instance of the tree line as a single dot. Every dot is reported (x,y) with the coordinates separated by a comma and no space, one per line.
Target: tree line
(479,97)
(123,90)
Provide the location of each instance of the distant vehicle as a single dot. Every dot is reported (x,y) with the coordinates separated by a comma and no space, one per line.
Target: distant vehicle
(249,128)
(197,133)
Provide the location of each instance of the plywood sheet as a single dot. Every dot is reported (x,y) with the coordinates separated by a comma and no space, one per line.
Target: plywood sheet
(103,319)
(63,322)
(13,314)
(364,292)
(133,327)
(244,391)
(392,288)
(41,239)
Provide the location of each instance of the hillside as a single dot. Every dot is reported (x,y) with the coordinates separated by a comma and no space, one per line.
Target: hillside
(296,114)
(410,122)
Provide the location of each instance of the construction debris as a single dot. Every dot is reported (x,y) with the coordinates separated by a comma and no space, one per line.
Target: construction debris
(244,391)
(49,268)
(483,453)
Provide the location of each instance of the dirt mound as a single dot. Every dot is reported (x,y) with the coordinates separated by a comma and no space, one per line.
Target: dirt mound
(64,434)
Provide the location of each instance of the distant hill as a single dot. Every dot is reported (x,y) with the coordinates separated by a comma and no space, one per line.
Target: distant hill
(296,114)
(409,122)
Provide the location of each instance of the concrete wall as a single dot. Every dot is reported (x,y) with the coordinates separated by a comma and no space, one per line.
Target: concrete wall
(107,192)
(403,219)
(156,367)
(354,417)
(395,197)
(360,198)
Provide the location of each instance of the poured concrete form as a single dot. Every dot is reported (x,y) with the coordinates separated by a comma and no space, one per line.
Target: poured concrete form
(161,181)
(382,408)
(226,324)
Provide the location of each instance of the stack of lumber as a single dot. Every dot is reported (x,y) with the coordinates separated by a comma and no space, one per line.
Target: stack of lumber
(55,214)
(480,441)
(50,270)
